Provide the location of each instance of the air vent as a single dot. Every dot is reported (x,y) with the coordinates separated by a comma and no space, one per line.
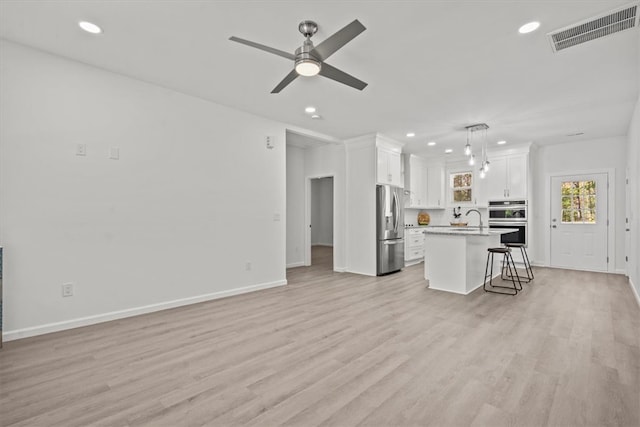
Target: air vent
(594,28)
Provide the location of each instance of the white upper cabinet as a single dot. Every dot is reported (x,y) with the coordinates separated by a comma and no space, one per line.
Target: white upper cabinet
(435,186)
(517,178)
(389,166)
(424,182)
(507,177)
(416,181)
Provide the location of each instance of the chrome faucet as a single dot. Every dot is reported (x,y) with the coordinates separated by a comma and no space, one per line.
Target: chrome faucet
(479,215)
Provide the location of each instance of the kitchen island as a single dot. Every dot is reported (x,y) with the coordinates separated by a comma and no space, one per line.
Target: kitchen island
(455,257)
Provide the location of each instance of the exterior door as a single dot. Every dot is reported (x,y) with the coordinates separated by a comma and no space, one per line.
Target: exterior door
(579,221)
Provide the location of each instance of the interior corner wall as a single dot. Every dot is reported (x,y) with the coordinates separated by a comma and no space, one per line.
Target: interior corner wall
(190,211)
(361,217)
(595,154)
(295,206)
(633,166)
(329,160)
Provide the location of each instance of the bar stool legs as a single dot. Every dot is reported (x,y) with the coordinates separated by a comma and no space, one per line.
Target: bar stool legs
(525,259)
(512,275)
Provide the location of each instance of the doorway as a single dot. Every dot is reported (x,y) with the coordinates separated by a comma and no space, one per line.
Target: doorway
(579,221)
(320,222)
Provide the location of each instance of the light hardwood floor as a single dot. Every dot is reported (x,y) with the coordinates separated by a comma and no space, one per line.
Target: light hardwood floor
(341,349)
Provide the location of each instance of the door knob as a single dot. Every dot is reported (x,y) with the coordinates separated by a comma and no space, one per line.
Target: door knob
(554,226)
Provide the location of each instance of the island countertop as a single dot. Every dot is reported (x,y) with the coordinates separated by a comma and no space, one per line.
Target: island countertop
(468,231)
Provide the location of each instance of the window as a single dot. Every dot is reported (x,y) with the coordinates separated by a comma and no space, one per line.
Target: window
(461,186)
(578,202)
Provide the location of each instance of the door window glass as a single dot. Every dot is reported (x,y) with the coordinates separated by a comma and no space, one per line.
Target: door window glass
(578,202)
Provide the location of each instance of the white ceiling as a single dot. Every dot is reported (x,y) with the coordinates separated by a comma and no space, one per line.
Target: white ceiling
(433,67)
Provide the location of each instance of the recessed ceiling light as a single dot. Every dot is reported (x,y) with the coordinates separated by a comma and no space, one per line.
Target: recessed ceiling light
(310,110)
(90,27)
(501,142)
(316,116)
(431,143)
(529,27)
(448,150)
(411,134)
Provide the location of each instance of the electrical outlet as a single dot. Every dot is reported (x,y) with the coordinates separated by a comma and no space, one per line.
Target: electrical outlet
(247,266)
(81,149)
(67,290)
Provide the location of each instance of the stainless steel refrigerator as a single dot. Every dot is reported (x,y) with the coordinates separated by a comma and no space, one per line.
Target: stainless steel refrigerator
(390,229)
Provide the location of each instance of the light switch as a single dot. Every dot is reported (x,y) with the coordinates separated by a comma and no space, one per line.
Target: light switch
(276,217)
(114,153)
(269,140)
(81,149)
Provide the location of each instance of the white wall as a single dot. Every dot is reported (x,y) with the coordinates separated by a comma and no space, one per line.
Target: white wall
(295,206)
(597,154)
(192,199)
(322,211)
(633,165)
(361,210)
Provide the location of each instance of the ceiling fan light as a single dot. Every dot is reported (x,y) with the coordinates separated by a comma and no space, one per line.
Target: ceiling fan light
(307,67)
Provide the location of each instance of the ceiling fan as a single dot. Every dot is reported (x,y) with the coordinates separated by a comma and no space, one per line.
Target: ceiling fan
(310,60)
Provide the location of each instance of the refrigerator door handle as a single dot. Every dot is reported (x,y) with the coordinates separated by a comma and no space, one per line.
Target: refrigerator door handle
(396,212)
(392,242)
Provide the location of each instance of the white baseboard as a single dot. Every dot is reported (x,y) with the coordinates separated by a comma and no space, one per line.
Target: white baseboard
(295,264)
(635,292)
(130,312)
(620,271)
(340,269)
(360,272)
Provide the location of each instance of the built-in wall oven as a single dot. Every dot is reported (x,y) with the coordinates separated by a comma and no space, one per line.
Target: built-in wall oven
(509,214)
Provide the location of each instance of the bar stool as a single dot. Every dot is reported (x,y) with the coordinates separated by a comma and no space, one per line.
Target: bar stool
(506,252)
(525,259)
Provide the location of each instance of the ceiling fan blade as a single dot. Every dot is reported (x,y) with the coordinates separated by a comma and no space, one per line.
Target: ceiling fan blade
(288,79)
(263,47)
(341,77)
(337,40)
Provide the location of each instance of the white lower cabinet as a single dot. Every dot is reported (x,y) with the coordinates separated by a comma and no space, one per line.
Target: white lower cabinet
(413,246)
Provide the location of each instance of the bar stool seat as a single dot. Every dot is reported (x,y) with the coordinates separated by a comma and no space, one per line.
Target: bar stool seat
(488,273)
(525,260)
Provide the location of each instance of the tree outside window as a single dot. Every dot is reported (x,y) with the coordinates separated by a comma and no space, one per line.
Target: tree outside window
(461,186)
(579,202)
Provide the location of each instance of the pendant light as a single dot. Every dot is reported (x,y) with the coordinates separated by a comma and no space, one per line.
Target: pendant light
(484,161)
(467,148)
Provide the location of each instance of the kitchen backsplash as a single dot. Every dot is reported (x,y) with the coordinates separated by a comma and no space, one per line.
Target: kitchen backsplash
(444,216)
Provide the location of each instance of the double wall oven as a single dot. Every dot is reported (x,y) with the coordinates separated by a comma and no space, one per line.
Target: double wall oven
(509,214)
